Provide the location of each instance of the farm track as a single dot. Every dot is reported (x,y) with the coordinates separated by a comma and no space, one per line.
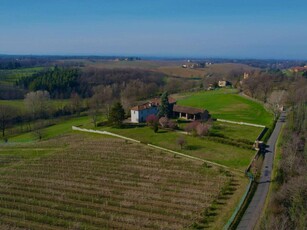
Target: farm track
(113,185)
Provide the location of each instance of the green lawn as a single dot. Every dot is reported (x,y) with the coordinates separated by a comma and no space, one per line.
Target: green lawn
(227,104)
(209,150)
(63,127)
(228,155)
(232,131)
(20,104)
(235,131)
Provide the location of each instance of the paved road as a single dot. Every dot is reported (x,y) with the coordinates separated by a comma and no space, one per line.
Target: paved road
(256,206)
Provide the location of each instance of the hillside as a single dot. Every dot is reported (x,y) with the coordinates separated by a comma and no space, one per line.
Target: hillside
(229,105)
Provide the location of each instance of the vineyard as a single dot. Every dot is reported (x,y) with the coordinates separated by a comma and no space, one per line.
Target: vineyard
(95,183)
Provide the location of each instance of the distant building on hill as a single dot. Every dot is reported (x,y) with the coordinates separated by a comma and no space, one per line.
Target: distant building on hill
(224,83)
(299,69)
(140,113)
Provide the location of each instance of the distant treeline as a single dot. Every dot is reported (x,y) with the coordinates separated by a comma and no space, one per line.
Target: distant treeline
(135,84)
(62,82)
(22,62)
(288,205)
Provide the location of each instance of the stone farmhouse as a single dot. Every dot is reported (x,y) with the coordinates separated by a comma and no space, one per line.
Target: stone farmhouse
(139,113)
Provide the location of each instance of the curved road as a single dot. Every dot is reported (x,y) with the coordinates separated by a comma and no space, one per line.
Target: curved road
(256,205)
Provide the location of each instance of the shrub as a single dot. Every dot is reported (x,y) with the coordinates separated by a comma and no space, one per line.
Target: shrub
(153,122)
(172,125)
(152,119)
(181,141)
(191,127)
(164,122)
(202,130)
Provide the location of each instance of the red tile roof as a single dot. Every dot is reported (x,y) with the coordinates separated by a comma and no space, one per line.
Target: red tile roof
(152,103)
(147,105)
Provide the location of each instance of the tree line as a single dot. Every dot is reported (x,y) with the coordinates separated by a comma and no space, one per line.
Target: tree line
(288,206)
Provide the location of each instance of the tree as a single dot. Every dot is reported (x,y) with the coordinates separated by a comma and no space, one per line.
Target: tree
(202,130)
(37,103)
(6,115)
(191,127)
(181,141)
(75,103)
(117,115)
(164,122)
(172,125)
(153,122)
(276,101)
(164,108)
(104,98)
(94,106)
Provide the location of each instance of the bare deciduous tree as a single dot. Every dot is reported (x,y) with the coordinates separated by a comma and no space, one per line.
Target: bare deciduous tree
(37,103)
(276,101)
(75,103)
(6,114)
(181,141)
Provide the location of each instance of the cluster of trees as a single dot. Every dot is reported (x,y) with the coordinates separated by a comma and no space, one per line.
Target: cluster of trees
(59,82)
(261,84)
(38,107)
(126,85)
(197,128)
(9,92)
(288,208)
(7,117)
(16,62)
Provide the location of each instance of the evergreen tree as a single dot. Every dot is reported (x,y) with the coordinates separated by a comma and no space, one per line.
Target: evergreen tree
(164,108)
(117,115)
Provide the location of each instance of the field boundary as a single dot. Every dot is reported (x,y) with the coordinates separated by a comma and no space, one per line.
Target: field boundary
(239,206)
(156,147)
(191,157)
(104,133)
(241,123)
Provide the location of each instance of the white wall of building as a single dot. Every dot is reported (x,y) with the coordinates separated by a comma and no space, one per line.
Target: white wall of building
(141,115)
(134,116)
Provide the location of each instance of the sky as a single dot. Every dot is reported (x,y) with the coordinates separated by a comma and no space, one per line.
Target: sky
(160,28)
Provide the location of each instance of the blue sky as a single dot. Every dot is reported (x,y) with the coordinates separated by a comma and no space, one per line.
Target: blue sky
(200,28)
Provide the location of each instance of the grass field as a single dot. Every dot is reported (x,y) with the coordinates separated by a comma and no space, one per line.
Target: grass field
(220,70)
(224,154)
(92,182)
(235,131)
(20,104)
(61,128)
(11,76)
(141,64)
(227,104)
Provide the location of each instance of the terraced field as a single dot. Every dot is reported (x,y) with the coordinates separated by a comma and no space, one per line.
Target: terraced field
(95,183)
